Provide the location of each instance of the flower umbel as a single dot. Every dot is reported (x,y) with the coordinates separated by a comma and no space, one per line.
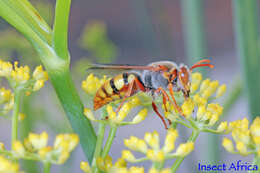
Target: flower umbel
(247,138)
(150,146)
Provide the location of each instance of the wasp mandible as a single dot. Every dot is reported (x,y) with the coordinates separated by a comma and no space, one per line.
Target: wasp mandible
(155,78)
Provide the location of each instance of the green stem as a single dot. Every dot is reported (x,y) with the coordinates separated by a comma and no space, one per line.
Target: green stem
(158,165)
(73,107)
(178,161)
(194,30)
(256,162)
(17,96)
(110,139)
(46,167)
(100,137)
(60,29)
(247,37)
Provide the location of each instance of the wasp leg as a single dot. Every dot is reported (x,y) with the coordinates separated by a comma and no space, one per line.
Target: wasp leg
(139,86)
(164,103)
(175,103)
(156,111)
(128,93)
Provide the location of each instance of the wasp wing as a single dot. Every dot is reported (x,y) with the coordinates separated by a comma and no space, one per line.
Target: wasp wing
(114,69)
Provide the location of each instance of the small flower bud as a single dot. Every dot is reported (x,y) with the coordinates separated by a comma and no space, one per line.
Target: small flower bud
(185,149)
(140,116)
(223,126)
(127,155)
(152,139)
(221,91)
(228,145)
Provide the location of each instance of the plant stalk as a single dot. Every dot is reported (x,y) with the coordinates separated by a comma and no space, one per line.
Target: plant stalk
(46,167)
(17,97)
(247,42)
(178,161)
(109,142)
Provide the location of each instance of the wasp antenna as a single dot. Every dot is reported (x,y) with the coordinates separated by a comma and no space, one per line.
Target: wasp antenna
(201,65)
(202,61)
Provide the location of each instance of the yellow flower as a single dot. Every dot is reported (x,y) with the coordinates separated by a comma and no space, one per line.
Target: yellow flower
(20,74)
(170,139)
(66,142)
(196,79)
(221,91)
(152,139)
(188,107)
(134,169)
(127,155)
(63,157)
(18,148)
(2,146)
(45,152)
(92,84)
(40,74)
(223,126)
(154,170)
(38,85)
(228,145)
(38,141)
(5,95)
(184,149)
(204,85)
(155,155)
(89,114)
(241,147)
(136,144)
(84,166)
(140,116)
(104,164)
(21,116)
(5,68)
(7,166)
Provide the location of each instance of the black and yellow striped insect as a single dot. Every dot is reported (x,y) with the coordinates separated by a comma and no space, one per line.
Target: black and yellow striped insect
(154,78)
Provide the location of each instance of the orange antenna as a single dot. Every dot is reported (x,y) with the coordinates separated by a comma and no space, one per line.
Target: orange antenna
(199,64)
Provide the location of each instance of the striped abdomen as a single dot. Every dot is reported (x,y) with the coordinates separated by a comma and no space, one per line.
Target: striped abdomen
(113,89)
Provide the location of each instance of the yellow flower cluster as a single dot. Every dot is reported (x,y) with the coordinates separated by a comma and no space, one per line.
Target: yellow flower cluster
(6,100)
(7,166)
(202,94)
(35,147)
(150,146)
(120,166)
(117,118)
(19,76)
(91,84)
(247,138)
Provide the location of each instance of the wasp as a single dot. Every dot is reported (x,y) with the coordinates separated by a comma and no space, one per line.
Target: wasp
(155,78)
